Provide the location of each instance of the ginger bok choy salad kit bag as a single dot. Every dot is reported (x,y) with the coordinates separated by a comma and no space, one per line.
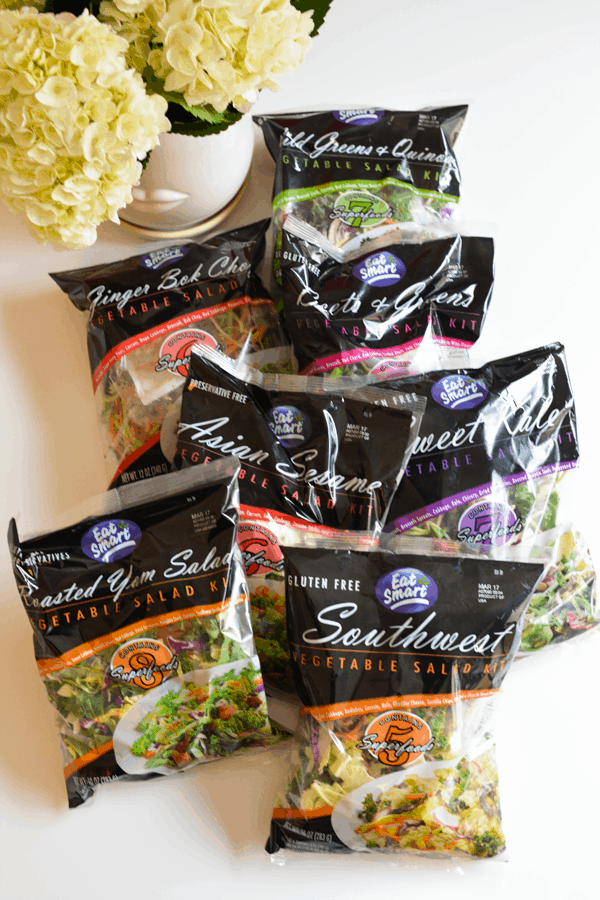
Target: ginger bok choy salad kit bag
(142,631)
(144,314)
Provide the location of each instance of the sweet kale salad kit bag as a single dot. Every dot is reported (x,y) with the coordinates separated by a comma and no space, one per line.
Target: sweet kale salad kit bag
(144,315)
(142,631)
(398,657)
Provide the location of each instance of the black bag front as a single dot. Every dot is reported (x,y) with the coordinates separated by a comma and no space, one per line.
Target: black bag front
(144,315)
(370,314)
(489,466)
(142,631)
(398,656)
(360,175)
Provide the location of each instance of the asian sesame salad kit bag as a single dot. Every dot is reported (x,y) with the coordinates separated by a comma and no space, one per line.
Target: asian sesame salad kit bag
(142,631)
(143,315)
(371,314)
(356,176)
(398,653)
(317,452)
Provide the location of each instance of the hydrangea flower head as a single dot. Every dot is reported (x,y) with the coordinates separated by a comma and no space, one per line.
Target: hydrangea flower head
(212,52)
(75,122)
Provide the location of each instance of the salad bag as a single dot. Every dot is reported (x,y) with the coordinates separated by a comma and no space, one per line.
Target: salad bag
(315,452)
(371,314)
(398,656)
(492,460)
(143,315)
(360,175)
(564,606)
(142,631)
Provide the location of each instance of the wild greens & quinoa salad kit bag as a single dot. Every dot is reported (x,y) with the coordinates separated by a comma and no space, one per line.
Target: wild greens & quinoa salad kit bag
(364,176)
(142,631)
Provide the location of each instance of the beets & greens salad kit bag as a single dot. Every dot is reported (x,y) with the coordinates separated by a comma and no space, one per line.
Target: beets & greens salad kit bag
(398,657)
(372,313)
(143,315)
(354,176)
(142,630)
(315,452)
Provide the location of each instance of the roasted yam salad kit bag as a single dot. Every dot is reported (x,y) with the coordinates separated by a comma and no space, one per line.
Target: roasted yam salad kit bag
(142,631)
(398,657)
(371,314)
(354,176)
(325,451)
(143,315)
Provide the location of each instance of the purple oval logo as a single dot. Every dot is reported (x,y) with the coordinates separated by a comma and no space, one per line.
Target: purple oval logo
(406,591)
(158,258)
(358,116)
(111,539)
(489,523)
(458,392)
(289,425)
(380,269)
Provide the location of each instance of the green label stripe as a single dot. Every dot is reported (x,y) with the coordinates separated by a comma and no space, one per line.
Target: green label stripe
(361,184)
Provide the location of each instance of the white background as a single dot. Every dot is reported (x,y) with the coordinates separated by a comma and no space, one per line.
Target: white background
(529,156)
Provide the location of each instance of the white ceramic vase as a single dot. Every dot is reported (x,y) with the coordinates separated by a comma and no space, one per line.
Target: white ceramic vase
(190,184)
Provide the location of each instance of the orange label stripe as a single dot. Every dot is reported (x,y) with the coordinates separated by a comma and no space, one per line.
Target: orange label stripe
(380,704)
(82,761)
(83,651)
(282,812)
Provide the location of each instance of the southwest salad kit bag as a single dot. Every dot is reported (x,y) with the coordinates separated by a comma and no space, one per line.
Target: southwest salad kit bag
(142,631)
(315,452)
(371,314)
(398,655)
(145,313)
(353,176)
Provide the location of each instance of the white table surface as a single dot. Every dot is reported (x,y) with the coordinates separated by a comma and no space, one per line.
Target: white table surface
(529,159)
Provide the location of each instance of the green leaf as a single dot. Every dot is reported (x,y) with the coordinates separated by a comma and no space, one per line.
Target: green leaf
(319,9)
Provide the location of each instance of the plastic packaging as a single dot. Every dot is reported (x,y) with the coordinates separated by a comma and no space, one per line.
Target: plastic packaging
(142,631)
(371,314)
(361,175)
(317,452)
(144,314)
(398,654)
(494,455)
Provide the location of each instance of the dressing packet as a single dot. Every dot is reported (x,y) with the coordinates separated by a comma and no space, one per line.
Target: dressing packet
(364,175)
(398,653)
(371,314)
(144,314)
(315,452)
(142,630)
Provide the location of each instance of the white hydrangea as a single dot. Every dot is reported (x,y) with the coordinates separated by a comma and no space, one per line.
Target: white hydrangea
(74,123)
(212,52)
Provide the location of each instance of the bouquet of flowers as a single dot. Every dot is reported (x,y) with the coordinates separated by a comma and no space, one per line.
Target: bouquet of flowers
(86,92)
